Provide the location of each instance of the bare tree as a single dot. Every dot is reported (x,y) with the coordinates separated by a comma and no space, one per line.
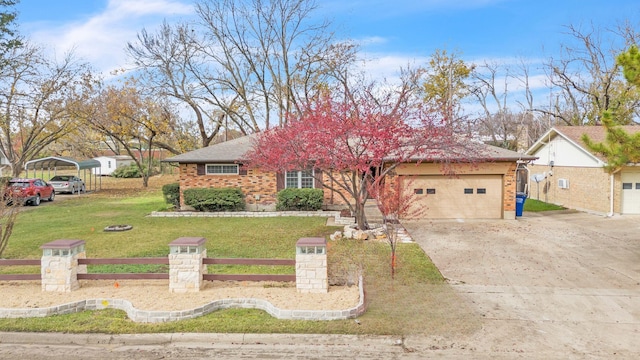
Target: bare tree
(241,65)
(169,61)
(587,80)
(35,95)
(501,124)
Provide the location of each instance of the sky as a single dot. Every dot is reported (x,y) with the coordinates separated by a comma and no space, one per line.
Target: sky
(392,33)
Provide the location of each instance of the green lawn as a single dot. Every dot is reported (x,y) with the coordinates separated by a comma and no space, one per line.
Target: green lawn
(537,205)
(416,302)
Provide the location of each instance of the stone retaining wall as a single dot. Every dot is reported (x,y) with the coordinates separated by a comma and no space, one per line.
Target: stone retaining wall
(146,316)
(335,214)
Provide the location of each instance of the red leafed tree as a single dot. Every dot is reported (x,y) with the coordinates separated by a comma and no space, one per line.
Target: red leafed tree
(354,138)
(394,202)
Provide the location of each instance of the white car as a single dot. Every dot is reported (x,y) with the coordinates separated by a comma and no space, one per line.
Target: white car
(67,183)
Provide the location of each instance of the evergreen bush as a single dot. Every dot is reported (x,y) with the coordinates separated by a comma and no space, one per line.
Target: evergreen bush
(171,194)
(299,200)
(216,199)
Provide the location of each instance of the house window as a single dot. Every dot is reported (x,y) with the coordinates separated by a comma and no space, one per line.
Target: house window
(481,191)
(627,186)
(222,169)
(299,179)
(418,191)
(431,191)
(637,186)
(109,164)
(468,191)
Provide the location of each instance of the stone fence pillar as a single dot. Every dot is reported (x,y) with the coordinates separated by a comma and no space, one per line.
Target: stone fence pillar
(185,264)
(59,265)
(311,265)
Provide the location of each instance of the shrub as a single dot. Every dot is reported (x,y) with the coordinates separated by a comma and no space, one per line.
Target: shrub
(300,199)
(226,199)
(171,194)
(128,172)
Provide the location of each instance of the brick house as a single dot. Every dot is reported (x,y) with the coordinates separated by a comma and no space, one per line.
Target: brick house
(572,176)
(484,189)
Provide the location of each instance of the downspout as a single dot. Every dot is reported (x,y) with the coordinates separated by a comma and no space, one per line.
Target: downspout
(610,214)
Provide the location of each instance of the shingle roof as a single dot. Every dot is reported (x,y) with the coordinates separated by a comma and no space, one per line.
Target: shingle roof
(489,152)
(228,151)
(574,133)
(596,133)
(233,151)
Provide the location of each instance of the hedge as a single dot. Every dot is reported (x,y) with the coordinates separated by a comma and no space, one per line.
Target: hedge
(300,199)
(226,199)
(171,194)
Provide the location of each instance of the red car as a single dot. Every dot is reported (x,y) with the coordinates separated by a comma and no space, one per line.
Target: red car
(30,191)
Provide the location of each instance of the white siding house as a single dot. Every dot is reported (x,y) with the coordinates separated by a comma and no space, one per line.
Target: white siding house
(109,163)
(570,175)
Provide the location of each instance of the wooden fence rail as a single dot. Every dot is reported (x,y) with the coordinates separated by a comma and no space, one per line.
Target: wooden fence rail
(20,262)
(157,276)
(119,261)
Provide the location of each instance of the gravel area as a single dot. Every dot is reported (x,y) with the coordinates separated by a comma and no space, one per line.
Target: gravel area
(155,295)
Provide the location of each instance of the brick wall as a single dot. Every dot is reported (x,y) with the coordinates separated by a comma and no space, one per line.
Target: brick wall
(332,199)
(589,188)
(259,187)
(509,189)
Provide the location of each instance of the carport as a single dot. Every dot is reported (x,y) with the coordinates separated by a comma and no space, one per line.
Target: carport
(54,163)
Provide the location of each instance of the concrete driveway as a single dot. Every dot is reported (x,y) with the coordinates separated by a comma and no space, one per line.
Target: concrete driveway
(558,285)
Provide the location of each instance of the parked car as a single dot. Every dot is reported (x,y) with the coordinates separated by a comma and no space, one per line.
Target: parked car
(67,183)
(30,191)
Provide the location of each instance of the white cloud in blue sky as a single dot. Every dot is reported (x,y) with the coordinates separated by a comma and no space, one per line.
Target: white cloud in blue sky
(391,34)
(100,35)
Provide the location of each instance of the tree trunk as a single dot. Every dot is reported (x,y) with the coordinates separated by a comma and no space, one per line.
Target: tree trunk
(361,217)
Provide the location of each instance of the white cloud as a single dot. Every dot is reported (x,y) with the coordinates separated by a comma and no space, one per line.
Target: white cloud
(373,40)
(102,38)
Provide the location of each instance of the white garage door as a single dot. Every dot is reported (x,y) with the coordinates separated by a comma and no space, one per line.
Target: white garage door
(630,192)
(461,197)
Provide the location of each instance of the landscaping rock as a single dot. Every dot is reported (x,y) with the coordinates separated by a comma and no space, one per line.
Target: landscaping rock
(360,235)
(348,231)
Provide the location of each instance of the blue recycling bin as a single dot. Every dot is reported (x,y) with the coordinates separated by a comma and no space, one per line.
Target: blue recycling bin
(520,199)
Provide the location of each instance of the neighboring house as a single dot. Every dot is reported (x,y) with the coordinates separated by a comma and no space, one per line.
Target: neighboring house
(479,190)
(570,175)
(109,163)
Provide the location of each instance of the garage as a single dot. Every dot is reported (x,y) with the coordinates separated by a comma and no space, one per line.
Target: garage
(459,197)
(630,192)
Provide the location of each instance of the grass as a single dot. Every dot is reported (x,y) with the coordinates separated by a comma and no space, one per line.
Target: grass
(537,205)
(417,301)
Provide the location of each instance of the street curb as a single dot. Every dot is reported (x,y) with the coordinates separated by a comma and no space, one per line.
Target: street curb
(202,339)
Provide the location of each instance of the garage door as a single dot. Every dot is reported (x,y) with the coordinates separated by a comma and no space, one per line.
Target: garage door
(630,193)
(462,197)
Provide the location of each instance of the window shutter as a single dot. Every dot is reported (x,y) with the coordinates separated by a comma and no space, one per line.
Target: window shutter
(279,181)
(242,170)
(201,170)
(317,183)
